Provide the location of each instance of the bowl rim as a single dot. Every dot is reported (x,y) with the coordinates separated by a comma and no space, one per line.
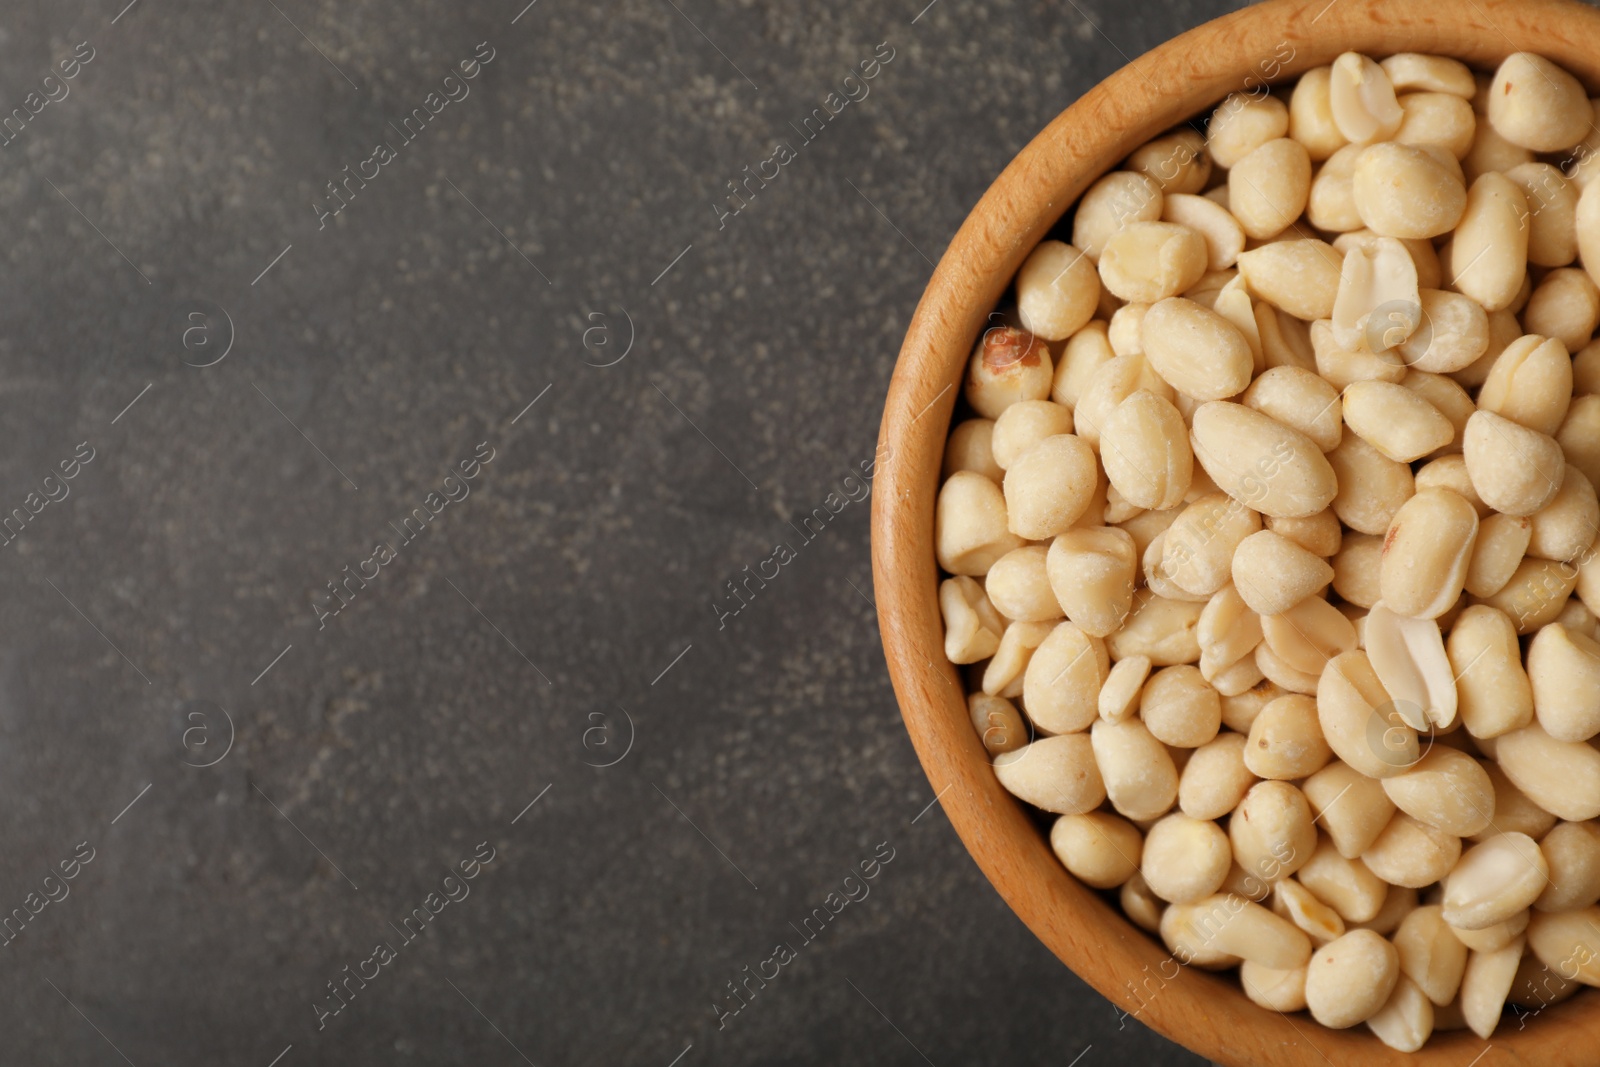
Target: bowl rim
(1160,89)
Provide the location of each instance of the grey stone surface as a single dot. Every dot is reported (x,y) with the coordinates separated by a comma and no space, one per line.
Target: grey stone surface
(563,610)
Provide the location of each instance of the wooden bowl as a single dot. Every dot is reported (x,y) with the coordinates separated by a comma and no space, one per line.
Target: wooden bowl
(1185,77)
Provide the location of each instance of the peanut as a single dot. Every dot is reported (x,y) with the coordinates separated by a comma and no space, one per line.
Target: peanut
(1360,721)
(1162,629)
(1350,978)
(1058,774)
(1430,955)
(1185,859)
(1286,740)
(1299,905)
(1513,810)
(1144,447)
(1311,114)
(1495,696)
(1409,658)
(1346,885)
(1268,188)
(1007,365)
(999,724)
(1564,307)
(1502,543)
(1023,425)
(1271,831)
(1397,421)
(1448,790)
(1223,235)
(1049,487)
(1200,544)
(971,529)
(1563,528)
(1457,333)
(1319,534)
(1362,99)
(1061,685)
(1485,985)
(1300,399)
(1567,943)
(1084,353)
(1357,569)
(1243,123)
(1516,470)
(1553,207)
(1489,252)
(1274,989)
(1115,201)
(1413,71)
(1108,386)
(1572,854)
(1403,190)
(1300,277)
(1405,1021)
(1537,105)
(1119,693)
(1179,708)
(1562,777)
(1260,462)
(1564,671)
(1017,586)
(1149,261)
(1004,674)
(1140,779)
(968,449)
(1099,848)
(1437,119)
(972,627)
(1178,162)
(1215,779)
(1494,881)
(1426,551)
(1370,486)
(1530,384)
(1308,635)
(1199,352)
(1411,853)
(1090,571)
(1273,574)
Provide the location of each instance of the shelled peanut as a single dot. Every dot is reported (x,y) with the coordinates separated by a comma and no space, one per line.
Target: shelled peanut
(1274,545)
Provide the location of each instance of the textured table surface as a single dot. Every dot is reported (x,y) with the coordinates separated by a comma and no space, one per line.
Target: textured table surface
(273,718)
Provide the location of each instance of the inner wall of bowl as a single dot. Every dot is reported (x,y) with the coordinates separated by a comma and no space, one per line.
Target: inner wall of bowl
(1176,83)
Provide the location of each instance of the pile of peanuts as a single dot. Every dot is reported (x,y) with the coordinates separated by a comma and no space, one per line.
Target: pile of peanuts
(1263,537)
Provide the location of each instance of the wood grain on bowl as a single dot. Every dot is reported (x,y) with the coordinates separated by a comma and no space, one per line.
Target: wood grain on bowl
(1181,79)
